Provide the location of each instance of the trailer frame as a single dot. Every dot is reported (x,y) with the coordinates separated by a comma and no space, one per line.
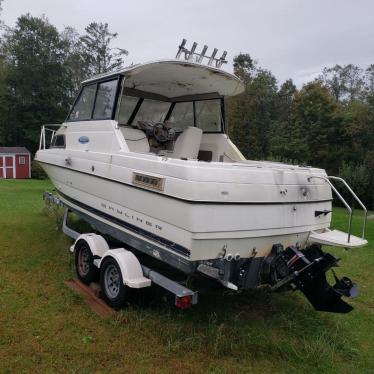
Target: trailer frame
(184,297)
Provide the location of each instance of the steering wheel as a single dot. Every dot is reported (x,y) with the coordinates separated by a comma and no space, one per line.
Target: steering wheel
(162,132)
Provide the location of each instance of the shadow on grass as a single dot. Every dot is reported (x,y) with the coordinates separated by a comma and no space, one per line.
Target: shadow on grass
(251,325)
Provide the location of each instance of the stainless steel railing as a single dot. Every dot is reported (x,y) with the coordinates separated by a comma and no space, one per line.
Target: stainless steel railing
(349,208)
(45,128)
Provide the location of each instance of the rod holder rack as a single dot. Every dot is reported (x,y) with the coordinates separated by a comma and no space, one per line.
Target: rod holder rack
(192,55)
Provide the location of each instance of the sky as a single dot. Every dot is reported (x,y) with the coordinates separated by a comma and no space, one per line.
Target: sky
(292,38)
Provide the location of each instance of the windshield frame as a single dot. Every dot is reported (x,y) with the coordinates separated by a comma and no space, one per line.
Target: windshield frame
(173,101)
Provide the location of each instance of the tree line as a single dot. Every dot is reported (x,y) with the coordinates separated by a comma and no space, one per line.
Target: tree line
(41,70)
(328,122)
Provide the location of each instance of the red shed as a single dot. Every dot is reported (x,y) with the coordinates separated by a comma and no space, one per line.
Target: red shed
(15,163)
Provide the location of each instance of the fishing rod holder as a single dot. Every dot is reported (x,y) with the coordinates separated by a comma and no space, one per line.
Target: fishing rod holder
(191,55)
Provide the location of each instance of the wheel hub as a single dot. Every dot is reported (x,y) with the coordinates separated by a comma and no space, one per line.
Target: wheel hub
(112,281)
(84,261)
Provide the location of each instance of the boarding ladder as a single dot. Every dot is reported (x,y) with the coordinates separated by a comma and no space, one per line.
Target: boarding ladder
(336,237)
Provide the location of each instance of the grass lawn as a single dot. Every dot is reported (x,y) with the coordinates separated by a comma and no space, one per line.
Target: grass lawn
(45,327)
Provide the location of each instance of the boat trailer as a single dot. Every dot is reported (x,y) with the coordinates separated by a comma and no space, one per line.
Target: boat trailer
(129,272)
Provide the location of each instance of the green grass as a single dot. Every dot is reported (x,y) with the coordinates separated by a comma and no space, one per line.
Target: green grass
(44,326)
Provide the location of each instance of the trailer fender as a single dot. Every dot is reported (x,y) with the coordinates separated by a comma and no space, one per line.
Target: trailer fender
(131,270)
(97,244)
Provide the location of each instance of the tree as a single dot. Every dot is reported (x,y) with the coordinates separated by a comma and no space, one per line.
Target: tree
(280,139)
(360,178)
(97,53)
(345,82)
(250,114)
(75,63)
(37,81)
(358,124)
(1,9)
(244,67)
(312,134)
(317,118)
(285,99)
(369,79)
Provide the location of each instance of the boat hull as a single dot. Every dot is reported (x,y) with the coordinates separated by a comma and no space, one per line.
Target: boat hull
(193,230)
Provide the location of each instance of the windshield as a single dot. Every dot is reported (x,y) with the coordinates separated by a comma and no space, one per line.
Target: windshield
(205,114)
(152,110)
(208,116)
(182,116)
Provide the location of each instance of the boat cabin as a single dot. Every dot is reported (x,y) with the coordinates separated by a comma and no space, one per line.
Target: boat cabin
(168,108)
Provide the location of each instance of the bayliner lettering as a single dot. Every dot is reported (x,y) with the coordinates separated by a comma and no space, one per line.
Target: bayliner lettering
(131,216)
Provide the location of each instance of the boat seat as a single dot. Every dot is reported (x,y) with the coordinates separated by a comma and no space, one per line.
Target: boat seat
(187,144)
(136,139)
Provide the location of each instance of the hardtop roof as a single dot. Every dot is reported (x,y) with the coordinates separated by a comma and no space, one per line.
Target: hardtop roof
(175,78)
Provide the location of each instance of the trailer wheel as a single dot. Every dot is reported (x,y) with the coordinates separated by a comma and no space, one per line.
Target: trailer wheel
(84,265)
(112,287)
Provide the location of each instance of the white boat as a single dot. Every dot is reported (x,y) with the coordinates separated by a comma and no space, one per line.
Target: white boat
(144,156)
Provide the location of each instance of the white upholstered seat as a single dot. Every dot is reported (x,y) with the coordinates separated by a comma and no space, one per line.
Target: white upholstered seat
(136,139)
(187,144)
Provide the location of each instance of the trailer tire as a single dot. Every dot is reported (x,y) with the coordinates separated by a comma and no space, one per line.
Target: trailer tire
(84,263)
(113,290)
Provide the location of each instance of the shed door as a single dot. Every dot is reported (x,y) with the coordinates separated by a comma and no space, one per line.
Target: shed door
(9,166)
(1,167)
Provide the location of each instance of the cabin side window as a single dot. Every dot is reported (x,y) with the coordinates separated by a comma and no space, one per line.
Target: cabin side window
(82,109)
(95,101)
(208,115)
(106,94)
(58,141)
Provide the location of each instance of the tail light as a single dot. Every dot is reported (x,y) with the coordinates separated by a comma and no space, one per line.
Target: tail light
(183,302)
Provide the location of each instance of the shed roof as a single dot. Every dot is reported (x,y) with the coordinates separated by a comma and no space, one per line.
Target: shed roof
(13,150)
